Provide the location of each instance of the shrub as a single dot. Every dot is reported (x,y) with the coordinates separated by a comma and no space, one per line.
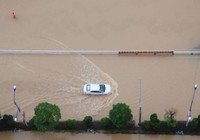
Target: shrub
(87,121)
(171,123)
(7,122)
(198,120)
(146,125)
(31,123)
(194,123)
(154,122)
(170,117)
(106,122)
(71,124)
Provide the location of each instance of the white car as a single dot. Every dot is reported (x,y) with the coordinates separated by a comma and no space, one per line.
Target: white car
(97,89)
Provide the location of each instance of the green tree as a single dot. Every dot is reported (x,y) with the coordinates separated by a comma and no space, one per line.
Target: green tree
(146,125)
(87,121)
(120,115)
(31,123)
(198,120)
(170,117)
(7,122)
(194,123)
(71,123)
(46,116)
(154,122)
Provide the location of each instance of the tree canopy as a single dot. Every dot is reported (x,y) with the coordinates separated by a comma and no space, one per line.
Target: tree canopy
(153,124)
(46,116)
(7,122)
(88,121)
(106,122)
(170,117)
(120,115)
(71,123)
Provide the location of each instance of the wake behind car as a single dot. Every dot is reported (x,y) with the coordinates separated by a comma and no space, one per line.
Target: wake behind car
(97,89)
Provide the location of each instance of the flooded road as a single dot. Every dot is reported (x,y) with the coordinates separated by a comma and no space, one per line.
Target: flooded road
(167,81)
(58,80)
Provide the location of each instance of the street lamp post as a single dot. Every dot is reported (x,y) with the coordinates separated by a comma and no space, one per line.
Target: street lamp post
(18,109)
(14,90)
(190,110)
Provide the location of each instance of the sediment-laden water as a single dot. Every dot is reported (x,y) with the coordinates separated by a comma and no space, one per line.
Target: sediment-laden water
(167,81)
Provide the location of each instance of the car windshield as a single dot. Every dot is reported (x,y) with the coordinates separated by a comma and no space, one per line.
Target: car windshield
(102,88)
(88,87)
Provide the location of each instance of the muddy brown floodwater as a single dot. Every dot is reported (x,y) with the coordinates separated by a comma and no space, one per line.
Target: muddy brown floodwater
(167,81)
(80,136)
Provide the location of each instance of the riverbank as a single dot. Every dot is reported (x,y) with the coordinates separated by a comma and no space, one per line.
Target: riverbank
(131,128)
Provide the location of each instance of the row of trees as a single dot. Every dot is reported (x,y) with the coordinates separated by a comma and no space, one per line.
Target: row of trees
(47,117)
(154,123)
(170,124)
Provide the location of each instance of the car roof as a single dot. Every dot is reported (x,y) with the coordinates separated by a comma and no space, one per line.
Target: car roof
(94,87)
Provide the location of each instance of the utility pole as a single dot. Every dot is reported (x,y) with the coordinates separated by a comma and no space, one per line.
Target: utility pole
(140,102)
